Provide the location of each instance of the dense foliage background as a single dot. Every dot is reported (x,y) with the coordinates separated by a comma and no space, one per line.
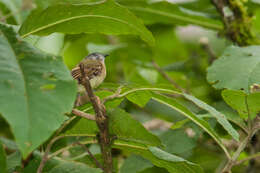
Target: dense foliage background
(184,76)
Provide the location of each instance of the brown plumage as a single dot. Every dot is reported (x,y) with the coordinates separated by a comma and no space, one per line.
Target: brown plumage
(94,69)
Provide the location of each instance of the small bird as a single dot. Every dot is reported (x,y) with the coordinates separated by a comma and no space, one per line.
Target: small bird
(95,69)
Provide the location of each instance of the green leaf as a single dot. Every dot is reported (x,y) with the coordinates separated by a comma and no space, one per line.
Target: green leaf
(237,68)
(140,97)
(73,167)
(177,142)
(106,18)
(27,106)
(169,13)
(135,164)
(121,124)
(219,116)
(243,103)
(3,166)
(160,158)
(127,128)
(172,103)
(14,7)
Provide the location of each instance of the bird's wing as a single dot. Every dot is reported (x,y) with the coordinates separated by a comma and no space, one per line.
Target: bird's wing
(92,69)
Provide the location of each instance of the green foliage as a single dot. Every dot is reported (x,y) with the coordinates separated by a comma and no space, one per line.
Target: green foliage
(12,6)
(238,68)
(172,103)
(106,18)
(26,75)
(3,166)
(245,104)
(160,158)
(135,164)
(220,117)
(121,124)
(163,115)
(74,168)
(168,13)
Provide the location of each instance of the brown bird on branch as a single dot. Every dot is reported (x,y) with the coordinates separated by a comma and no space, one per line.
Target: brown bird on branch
(95,70)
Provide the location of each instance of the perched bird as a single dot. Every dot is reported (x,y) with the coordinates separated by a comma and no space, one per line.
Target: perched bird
(95,69)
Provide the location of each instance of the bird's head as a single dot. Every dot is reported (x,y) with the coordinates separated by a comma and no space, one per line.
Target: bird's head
(97,56)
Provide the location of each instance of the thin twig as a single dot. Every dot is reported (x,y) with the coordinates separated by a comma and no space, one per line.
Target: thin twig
(254,156)
(167,77)
(101,120)
(56,137)
(91,155)
(205,45)
(70,146)
(83,114)
(45,156)
(115,95)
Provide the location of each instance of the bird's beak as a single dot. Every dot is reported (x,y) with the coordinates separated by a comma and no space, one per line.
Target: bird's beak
(105,55)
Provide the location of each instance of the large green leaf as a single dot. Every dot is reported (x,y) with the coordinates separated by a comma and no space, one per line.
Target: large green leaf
(237,68)
(3,166)
(169,13)
(35,89)
(243,103)
(121,124)
(105,18)
(219,116)
(160,158)
(172,103)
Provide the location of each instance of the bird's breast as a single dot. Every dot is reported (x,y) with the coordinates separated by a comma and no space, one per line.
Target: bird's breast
(97,80)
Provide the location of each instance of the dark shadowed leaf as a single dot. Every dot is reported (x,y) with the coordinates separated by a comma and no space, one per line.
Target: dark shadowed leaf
(135,164)
(3,166)
(73,167)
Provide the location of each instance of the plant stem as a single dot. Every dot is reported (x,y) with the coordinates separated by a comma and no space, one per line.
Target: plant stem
(236,20)
(91,155)
(167,77)
(48,149)
(83,114)
(102,121)
(254,156)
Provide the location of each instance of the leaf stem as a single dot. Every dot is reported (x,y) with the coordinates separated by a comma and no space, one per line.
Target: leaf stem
(167,77)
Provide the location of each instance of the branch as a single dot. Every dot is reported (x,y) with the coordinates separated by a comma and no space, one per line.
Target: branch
(91,155)
(45,156)
(167,77)
(101,120)
(83,114)
(237,21)
(254,156)
(48,149)
(204,41)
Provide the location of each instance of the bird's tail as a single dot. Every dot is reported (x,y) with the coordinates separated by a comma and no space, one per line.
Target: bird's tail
(75,72)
